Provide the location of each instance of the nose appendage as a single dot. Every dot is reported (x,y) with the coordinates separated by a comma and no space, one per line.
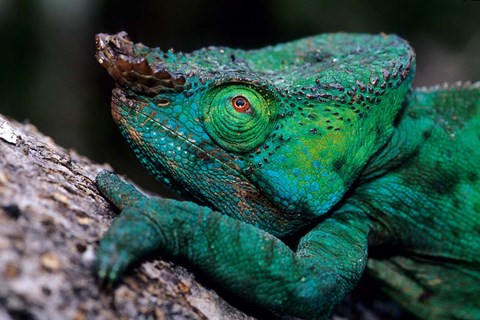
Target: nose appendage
(136,66)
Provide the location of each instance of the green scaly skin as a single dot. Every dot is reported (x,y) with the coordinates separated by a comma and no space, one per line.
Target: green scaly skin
(301,160)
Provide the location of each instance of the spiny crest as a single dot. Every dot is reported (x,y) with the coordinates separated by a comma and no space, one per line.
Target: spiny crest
(344,68)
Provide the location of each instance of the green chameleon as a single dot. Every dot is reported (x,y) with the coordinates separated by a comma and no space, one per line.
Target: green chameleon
(308,163)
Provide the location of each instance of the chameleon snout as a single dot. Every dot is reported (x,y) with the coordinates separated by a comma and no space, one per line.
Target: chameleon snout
(134,66)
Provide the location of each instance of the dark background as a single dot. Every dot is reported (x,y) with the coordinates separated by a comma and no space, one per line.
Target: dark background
(49,75)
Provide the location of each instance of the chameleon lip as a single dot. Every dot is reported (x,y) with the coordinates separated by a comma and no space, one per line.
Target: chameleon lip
(121,101)
(129,65)
(241,183)
(248,192)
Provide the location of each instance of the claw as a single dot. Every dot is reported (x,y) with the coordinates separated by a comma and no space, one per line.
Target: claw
(111,263)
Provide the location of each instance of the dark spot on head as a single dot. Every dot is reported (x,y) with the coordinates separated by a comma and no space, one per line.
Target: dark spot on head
(473,176)
(455,233)
(386,75)
(426,134)
(338,164)
(361,86)
(249,171)
(456,203)
(476,228)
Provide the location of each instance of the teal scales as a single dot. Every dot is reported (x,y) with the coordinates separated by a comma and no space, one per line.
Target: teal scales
(310,162)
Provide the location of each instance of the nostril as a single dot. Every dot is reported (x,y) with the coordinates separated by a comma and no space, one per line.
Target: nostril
(163,103)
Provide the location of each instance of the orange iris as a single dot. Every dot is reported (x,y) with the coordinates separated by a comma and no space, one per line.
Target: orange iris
(241,104)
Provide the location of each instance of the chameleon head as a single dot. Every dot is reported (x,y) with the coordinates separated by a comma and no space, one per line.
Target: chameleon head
(276,135)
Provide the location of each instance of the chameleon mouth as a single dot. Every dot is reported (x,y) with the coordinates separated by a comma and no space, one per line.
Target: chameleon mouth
(227,178)
(125,109)
(130,114)
(135,65)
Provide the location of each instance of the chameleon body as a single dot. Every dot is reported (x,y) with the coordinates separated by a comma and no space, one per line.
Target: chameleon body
(306,163)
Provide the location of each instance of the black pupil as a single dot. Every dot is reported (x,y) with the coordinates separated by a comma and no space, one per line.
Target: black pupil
(240,102)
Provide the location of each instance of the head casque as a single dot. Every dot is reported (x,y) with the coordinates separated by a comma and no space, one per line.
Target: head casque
(274,137)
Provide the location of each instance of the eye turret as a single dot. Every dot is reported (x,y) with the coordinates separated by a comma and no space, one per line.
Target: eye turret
(239,117)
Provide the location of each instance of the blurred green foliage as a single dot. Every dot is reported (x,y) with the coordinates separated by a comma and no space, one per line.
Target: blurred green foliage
(50,77)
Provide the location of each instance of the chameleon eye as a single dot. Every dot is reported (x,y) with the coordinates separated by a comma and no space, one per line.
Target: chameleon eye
(241,104)
(239,117)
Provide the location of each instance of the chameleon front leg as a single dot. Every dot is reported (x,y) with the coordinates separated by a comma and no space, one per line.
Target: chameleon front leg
(308,282)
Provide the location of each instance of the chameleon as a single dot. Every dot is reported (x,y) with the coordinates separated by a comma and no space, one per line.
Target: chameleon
(303,165)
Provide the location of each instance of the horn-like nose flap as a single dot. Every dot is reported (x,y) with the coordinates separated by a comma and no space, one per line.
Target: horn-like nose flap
(136,66)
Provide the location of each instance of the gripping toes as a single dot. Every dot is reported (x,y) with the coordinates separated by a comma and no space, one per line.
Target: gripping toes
(131,236)
(118,191)
(111,263)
